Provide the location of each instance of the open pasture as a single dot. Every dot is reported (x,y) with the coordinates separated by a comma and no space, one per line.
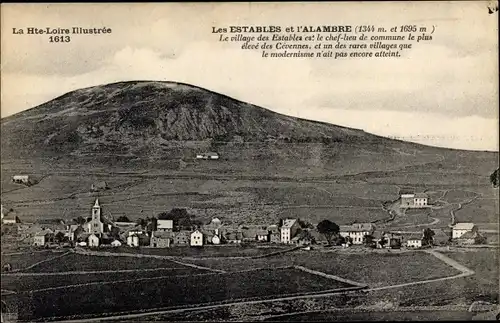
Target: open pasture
(27,283)
(79,262)
(339,215)
(207,251)
(20,260)
(171,291)
(479,211)
(373,269)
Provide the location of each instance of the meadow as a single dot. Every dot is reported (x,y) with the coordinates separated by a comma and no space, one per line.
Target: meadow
(169,292)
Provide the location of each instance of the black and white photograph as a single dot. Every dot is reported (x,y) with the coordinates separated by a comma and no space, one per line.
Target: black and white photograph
(250,162)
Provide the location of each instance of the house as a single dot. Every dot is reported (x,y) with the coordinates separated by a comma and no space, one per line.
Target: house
(470,238)
(289,229)
(303,238)
(43,237)
(262,235)
(234,237)
(164,225)
(73,231)
(182,238)
(11,218)
(407,200)
(388,240)
(161,239)
(116,243)
(99,186)
(133,240)
(414,200)
(414,241)
(93,241)
(208,155)
(357,231)
(318,238)
(460,229)
(420,200)
(274,235)
(21,179)
(196,239)
(95,225)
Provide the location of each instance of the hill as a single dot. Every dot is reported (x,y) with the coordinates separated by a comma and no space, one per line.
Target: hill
(149,124)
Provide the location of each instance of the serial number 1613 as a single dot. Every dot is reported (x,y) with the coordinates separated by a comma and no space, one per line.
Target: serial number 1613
(59,39)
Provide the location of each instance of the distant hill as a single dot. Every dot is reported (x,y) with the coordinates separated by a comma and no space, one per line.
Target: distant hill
(172,121)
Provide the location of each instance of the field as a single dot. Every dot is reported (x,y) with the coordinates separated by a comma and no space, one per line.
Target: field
(481,210)
(374,269)
(78,262)
(21,260)
(158,292)
(207,251)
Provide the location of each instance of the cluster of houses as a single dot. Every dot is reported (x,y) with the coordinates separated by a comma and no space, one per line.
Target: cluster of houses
(99,231)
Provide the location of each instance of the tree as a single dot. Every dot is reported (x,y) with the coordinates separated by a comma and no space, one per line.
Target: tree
(122,218)
(382,241)
(368,240)
(495,178)
(80,220)
(305,225)
(328,229)
(115,232)
(59,237)
(427,240)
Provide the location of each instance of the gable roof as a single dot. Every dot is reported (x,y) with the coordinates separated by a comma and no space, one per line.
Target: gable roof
(463,226)
(162,234)
(414,236)
(288,223)
(421,195)
(357,227)
(44,232)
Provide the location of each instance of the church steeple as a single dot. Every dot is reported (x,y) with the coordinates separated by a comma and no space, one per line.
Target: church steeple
(96,204)
(96,211)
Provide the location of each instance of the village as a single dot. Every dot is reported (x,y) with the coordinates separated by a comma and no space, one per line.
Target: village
(178,228)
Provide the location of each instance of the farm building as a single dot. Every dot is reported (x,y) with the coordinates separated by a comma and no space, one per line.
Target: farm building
(460,229)
(414,241)
(73,231)
(262,235)
(414,200)
(43,237)
(234,237)
(99,186)
(11,218)
(289,229)
(357,231)
(196,239)
(161,239)
(470,238)
(274,235)
(133,240)
(182,238)
(21,179)
(93,241)
(164,225)
(208,155)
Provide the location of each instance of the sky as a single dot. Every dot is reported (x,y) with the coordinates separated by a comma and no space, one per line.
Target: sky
(442,93)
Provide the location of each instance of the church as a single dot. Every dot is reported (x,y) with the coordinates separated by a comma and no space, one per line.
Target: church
(96,225)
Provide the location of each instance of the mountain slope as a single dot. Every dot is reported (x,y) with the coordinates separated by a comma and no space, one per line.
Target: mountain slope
(138,117)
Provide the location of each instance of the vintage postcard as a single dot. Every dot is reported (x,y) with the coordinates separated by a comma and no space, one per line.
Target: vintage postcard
(330,161)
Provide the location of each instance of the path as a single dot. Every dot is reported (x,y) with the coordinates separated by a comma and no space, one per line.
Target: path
(464,273)
(90,272)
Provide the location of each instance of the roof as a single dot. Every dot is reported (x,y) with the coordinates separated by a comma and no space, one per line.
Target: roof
(414,236)
(162,234)
(288,223)
(96,204)
(463,226)
(421,195)
(44,232)
(357,227)
(408,195)
(469,235)
(234,236)
(261,232)
(196,232)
